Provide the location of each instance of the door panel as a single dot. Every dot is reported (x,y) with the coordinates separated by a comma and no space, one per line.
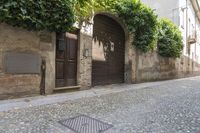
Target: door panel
(72,49)
(71,77)
(66,59)
(71,61)
(59,70)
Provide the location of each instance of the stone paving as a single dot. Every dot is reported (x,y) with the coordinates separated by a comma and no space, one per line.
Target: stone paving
(162,107)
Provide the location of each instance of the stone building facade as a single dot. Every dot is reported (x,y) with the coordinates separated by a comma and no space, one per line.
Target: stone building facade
(17,40)
(136,66)
(185,14)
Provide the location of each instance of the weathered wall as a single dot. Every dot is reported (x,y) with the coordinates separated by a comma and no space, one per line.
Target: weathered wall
(151,67)
(85,68)
(85,56)
(18,40)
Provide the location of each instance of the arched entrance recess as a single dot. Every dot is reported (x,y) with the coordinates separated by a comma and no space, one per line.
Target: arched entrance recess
(108,51)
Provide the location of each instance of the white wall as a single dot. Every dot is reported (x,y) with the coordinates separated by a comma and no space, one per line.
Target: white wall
(193,26)
(165,8)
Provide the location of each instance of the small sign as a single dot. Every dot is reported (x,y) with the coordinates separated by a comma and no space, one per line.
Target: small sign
(21,63)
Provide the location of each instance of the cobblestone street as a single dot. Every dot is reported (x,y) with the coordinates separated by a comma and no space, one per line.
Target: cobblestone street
(160,107)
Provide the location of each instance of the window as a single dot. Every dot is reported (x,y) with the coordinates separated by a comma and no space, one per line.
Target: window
(182,18)
(193,30)
(189,26)
(189,33)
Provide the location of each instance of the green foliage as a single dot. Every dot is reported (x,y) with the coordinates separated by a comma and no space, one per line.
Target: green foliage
(59,16)
(141,21)
(87,8)
(169,39)
(56,15)
(105,5)
(82,8)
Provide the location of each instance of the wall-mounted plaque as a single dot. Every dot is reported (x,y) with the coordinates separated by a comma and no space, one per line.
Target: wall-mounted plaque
(21,63)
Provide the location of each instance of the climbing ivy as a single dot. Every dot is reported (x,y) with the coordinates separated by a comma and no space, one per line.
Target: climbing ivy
(170,42)
(60,15)
(52,15)
(84,9)
(140,20)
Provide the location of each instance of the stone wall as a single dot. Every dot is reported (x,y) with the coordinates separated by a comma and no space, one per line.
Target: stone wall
(152,67)
(85,65)
(17,40)
(139,67)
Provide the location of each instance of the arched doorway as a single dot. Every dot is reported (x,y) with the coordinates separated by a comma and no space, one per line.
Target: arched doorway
(108,51)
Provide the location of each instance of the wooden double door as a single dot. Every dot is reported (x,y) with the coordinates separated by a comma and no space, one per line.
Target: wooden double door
(66,59)
(108,51)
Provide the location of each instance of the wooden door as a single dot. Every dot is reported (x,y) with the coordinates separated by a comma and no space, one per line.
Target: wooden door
(108,52)
(66,59)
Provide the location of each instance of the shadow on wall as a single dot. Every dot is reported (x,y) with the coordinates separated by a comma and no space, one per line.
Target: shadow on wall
(108,37)
(108,51)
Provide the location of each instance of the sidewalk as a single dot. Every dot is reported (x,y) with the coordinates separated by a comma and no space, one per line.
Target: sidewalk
(6,105)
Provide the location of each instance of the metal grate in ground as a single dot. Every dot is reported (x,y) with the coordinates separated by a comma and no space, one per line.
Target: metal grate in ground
(85,124)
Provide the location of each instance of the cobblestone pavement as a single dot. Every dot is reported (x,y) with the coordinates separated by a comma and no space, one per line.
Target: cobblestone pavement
(169,107)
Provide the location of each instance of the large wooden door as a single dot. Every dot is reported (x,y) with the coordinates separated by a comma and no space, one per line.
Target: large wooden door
(66,59)
(108,51)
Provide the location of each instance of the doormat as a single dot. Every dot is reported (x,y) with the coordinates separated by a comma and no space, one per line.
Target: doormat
(85,124)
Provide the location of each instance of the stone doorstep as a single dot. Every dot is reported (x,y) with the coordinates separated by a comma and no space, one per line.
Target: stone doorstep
(67,88)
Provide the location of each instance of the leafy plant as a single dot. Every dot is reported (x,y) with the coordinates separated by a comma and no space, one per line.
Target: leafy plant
(60,15)
(169,39)
(87,8)
(140,20)
(54,15)
(83,9)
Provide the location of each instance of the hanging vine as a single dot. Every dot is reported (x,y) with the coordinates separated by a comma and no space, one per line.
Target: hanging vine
(41,15)
(60,15)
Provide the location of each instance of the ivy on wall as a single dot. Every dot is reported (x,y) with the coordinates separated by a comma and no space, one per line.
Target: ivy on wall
(170,42)
(143,23)
(60,15)
(38,15)
(140,20)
